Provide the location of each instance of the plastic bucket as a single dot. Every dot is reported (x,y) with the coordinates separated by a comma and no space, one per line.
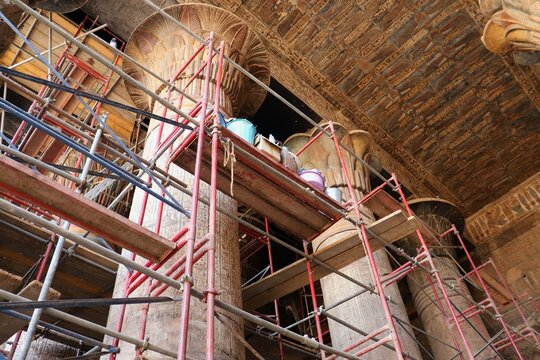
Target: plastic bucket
(334,193)
(243,128)
(314,178)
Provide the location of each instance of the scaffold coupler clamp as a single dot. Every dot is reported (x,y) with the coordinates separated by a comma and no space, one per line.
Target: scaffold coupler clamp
(185,279)
(71,250)
(103,117)
(167,180)
(214,128)
(209,291)
(144,347)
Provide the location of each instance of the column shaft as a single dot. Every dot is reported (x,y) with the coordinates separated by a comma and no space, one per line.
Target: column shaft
(429,300)
(161,45)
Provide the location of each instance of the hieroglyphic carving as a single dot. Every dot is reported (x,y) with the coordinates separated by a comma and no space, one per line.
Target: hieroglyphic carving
(297,63)
(500,214)
(162,46)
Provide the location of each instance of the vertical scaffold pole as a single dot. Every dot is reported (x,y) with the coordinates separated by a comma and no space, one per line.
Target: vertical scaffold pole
(55,260)
(188,276)
(367,247)
(314,301)
(276,302)
(211,292)
(486,291)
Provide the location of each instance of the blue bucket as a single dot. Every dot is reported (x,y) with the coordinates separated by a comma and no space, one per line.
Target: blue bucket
(243,128)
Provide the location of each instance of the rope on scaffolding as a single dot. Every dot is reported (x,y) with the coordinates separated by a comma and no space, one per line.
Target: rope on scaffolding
(229,158)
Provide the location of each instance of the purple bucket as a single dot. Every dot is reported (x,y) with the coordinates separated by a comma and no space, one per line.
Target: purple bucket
(314,178)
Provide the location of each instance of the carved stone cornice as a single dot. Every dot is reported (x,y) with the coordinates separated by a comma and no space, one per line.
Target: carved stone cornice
(502,214)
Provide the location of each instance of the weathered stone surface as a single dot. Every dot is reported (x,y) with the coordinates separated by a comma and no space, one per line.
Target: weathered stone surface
(346,53)
(163,319)
(45,349)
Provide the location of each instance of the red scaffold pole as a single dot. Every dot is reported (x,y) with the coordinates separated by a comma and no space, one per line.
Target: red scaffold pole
(314,301)
(369,252)
(276,303)
(211,291)
(435,272)
(188,276)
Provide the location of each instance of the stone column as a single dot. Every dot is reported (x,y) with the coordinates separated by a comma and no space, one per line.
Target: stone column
(47,349)
(440,215)
(163,47)
(364,312)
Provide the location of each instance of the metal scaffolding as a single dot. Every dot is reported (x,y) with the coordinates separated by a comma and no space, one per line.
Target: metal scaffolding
(106,169)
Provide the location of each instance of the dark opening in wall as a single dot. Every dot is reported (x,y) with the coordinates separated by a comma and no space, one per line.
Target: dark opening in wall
(80,17)
(276,118)
(12,123)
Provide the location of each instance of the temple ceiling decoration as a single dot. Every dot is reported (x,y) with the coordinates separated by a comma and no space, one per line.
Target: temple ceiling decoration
(463,122)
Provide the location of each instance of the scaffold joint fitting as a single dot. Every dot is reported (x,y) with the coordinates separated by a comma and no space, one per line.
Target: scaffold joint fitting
(186,278)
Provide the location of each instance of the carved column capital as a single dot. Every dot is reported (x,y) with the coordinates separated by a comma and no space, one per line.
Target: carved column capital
(513,25)
(439,215)
(162,46)
(322,155)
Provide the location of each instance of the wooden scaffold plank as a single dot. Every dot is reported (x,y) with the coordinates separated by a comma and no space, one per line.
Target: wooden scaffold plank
(67,204)
(391,228)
